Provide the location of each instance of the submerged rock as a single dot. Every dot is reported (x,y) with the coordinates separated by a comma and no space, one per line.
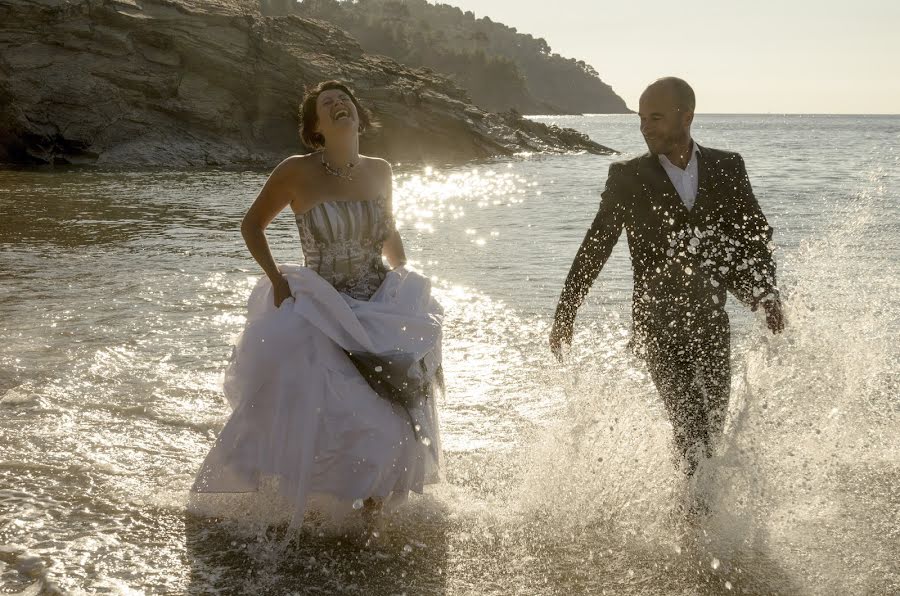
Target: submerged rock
(214,83)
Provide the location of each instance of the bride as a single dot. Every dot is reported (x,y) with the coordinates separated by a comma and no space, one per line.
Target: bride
(333,381)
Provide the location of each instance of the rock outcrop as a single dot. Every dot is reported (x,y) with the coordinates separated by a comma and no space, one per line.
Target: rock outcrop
(144,83)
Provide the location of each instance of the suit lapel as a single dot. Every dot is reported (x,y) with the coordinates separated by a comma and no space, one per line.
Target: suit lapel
(705,179)
(658,185)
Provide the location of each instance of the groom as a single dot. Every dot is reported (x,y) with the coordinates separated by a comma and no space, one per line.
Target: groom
(694,231)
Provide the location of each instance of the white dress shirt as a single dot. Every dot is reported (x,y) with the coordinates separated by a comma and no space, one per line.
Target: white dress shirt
(686,181)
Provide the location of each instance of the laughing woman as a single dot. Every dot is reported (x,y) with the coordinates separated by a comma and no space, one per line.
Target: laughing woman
(333,381)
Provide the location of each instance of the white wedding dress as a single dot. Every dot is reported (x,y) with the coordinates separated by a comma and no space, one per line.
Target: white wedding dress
(306,424)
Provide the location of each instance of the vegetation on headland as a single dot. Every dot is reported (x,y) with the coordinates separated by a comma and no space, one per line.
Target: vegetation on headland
(501,68)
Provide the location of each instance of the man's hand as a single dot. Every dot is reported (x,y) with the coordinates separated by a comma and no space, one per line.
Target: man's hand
(774,315)
(560,334)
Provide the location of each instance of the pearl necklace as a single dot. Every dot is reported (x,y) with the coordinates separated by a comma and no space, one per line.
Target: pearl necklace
(338,172)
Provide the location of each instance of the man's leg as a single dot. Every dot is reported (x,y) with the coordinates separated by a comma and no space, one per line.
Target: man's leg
(690,366)
(715,368)
(677,377)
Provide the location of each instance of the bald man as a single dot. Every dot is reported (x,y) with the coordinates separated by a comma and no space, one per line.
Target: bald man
(694,231)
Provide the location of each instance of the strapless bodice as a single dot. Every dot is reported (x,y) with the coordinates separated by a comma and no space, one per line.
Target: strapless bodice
(342,242)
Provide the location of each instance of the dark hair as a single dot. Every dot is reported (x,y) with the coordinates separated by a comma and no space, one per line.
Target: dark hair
(309,118)
(684,95)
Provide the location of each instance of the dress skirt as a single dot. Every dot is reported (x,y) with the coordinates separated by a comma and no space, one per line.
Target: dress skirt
(305,423)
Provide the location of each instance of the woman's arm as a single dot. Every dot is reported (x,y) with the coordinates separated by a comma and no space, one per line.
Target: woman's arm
(277,193)
(393,244)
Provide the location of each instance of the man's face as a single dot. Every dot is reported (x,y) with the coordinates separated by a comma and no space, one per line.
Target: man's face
(663,124)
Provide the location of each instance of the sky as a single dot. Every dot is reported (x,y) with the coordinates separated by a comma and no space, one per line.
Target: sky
(760,56)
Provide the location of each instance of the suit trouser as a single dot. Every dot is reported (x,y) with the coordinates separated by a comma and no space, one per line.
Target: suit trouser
(689,362)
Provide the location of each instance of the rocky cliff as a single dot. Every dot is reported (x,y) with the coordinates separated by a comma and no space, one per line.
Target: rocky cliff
(215,83)
(499,66)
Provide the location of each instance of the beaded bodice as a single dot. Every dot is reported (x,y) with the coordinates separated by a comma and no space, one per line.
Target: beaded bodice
(342,242)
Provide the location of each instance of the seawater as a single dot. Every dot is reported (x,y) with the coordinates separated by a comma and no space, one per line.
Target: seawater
(120,293)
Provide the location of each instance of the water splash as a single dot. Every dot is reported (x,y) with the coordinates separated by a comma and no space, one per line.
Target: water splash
(804,485)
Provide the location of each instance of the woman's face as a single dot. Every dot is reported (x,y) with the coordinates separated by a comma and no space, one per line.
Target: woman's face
(336,114)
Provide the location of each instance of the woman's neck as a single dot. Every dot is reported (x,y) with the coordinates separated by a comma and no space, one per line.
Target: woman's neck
(340,155)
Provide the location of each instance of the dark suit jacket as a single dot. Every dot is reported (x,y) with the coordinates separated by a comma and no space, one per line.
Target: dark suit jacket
(683,261)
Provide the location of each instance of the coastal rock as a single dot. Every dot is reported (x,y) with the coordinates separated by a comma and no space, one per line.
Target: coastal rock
(186,83)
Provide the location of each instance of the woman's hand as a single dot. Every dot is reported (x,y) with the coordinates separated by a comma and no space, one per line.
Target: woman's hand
(281,290)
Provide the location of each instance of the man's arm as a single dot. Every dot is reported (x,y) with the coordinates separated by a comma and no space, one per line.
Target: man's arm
(756,283)
(592,255)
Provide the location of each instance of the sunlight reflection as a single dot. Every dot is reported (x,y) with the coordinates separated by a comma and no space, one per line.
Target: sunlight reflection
(422,199)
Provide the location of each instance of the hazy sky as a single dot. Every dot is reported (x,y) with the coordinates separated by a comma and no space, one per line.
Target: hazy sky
(762,56)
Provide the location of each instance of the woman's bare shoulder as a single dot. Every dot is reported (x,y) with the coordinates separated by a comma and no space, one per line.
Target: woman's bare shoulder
(297,164)
(376,162)
(380,167)
(292,171)
(289,181)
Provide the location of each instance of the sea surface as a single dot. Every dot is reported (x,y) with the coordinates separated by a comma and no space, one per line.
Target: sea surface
(121,292)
